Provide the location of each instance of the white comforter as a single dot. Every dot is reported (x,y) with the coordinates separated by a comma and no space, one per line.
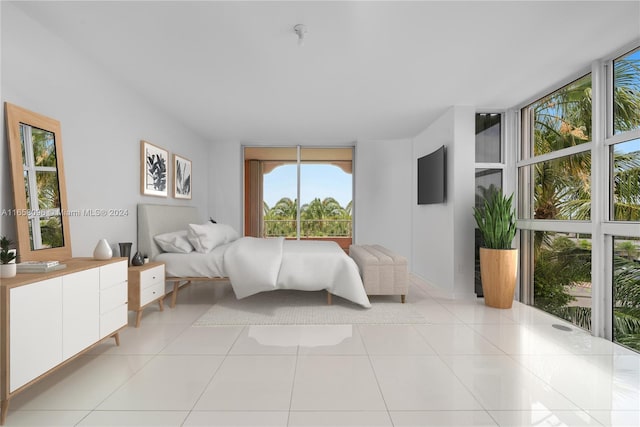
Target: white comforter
(255,265)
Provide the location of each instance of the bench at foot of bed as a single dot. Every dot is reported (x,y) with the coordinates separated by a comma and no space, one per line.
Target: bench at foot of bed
(383,272)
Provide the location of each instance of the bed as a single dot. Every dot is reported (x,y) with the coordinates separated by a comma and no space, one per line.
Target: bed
(250,264)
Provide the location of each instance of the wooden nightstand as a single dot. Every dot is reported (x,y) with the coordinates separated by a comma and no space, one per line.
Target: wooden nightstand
(146,285)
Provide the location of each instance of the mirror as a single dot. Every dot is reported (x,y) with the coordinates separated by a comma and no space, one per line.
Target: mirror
(39,191)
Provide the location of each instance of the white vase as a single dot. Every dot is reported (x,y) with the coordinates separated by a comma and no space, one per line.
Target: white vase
(7,270)
(102,250)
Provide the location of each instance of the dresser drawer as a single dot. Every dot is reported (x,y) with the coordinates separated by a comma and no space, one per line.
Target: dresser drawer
(151,293)
(152,276)
(113,320)
(112,274)
(113,297)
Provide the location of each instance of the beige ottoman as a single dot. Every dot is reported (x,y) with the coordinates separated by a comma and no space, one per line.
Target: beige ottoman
(382,271)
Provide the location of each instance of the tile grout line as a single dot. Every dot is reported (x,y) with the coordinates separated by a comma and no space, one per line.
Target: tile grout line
(293,383)
(224,358)
(364,344)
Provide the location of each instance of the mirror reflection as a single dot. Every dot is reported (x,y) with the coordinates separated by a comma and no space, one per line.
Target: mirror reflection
(42,188)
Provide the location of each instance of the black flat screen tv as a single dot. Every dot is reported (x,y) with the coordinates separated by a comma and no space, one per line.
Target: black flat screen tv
(432,173)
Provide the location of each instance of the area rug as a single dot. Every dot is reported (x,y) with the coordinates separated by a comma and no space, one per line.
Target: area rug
(285,307)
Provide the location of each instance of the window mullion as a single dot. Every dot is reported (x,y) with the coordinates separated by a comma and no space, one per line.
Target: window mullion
(298,193)
(600,285)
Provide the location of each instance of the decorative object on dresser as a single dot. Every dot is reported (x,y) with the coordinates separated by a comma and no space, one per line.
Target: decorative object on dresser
(103,250)
(154,164)
(48,319)
(39,266)
(137,259)
(383,272)
(146,285)
(181,177)
(125,250)
(7,258)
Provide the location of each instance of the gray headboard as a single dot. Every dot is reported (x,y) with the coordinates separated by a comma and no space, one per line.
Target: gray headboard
(158,219)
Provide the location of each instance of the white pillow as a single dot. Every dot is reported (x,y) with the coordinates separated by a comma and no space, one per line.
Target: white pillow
(175,241)
(230,233)
(205,237)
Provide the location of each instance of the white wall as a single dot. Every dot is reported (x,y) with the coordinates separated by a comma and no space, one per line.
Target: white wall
(383,194)
(443,234)
(102,125)
(225,183)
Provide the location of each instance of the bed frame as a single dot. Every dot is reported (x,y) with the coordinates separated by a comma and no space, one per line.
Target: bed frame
(158,219)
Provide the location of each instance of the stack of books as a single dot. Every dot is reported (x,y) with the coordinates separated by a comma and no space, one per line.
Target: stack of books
(39,266)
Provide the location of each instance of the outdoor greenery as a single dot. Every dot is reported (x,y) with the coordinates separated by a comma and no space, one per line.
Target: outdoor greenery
(319,218)
(560,264)
(562,191)
(48,192)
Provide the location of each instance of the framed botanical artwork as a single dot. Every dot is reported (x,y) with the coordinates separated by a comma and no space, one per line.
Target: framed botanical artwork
(181,177)
(154,164)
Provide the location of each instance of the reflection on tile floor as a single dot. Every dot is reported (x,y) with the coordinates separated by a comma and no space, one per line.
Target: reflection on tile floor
(469,365)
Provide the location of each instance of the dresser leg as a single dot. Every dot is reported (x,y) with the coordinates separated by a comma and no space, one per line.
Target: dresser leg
(328,298)
(403,298)
(116,336)
(138,317)
(161,304)
(4,408)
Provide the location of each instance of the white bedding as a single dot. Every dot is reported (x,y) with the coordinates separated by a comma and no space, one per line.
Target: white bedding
(256,265)
(314,265)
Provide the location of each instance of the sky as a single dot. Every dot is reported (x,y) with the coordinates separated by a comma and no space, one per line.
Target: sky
(628,147)
(315,181)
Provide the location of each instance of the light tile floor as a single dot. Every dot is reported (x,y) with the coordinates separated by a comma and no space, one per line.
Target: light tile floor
(469,366)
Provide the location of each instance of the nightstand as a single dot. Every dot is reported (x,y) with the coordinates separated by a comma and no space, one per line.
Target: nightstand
(146,285)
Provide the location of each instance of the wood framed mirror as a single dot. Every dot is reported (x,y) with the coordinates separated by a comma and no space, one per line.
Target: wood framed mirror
(39,189)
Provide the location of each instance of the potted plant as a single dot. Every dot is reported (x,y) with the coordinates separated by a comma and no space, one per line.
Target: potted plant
(7,256)
(498,260)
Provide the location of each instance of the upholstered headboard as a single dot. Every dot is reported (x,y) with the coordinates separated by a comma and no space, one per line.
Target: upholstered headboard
(158,219)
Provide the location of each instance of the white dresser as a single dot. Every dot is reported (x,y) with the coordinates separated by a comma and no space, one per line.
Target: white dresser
(48,319)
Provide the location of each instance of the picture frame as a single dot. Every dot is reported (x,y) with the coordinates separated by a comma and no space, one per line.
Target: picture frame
(182,181)
(154,168)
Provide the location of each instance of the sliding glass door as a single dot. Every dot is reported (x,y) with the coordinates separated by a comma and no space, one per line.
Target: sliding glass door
(301,193)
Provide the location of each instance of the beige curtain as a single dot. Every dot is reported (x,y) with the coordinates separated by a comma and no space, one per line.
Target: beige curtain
(255,208)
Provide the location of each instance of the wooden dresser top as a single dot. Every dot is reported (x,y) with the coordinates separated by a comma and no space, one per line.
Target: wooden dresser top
(73,266)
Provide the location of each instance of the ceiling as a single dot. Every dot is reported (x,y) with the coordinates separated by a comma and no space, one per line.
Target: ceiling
(367,70)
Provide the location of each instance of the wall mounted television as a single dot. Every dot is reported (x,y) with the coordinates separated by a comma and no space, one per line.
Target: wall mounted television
(432,177)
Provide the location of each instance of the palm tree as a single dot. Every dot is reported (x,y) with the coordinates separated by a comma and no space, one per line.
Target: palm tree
(626,94)
(626,195)
(280,219)
(563,119)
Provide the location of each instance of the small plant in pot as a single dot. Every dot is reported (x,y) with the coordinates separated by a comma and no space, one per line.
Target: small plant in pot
(498,260)
(7,256)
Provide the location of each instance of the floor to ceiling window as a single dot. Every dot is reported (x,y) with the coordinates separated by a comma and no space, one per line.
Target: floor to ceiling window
(623,143)
(555,185)
(299,192)
(579,200)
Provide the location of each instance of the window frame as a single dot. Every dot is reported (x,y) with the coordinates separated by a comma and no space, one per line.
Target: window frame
(600,226)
